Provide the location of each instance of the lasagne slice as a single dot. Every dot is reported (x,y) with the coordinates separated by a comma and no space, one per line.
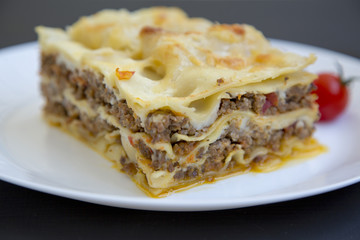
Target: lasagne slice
(175,101)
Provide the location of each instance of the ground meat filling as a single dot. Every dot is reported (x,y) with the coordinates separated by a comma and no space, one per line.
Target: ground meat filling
(72,113)
(269,104)
(159,160)
(160,125)
(235,138)
(128,167)
(125,115)
(217,152)
(183,148)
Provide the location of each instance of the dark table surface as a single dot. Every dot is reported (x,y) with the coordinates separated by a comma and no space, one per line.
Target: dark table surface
(28,214)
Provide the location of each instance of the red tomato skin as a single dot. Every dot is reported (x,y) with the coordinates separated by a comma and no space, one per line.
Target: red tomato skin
(332,94)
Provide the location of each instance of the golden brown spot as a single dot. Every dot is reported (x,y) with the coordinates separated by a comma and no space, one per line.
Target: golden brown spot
(220,81)
(274,60)
(160,19)
(150,30)
(238,29)
(263,58)
(231,62)
(235,28)
(149,140)
(124,75)
(190,159)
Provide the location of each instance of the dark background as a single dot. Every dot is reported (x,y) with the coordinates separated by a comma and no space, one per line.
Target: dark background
(27,214)
(328,24)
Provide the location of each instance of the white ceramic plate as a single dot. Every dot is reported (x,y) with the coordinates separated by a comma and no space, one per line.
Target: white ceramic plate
(40,157)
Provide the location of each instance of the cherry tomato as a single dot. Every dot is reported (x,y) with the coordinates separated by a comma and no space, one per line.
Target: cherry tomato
(332,94)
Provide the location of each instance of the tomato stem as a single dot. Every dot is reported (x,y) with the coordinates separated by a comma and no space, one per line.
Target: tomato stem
(349,80)
(340,72)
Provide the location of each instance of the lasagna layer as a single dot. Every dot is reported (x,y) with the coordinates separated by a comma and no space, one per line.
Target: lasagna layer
(162,124)
(175,101)
(236,141)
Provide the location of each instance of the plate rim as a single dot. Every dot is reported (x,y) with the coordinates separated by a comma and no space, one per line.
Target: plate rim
(154,204)
(162,204)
